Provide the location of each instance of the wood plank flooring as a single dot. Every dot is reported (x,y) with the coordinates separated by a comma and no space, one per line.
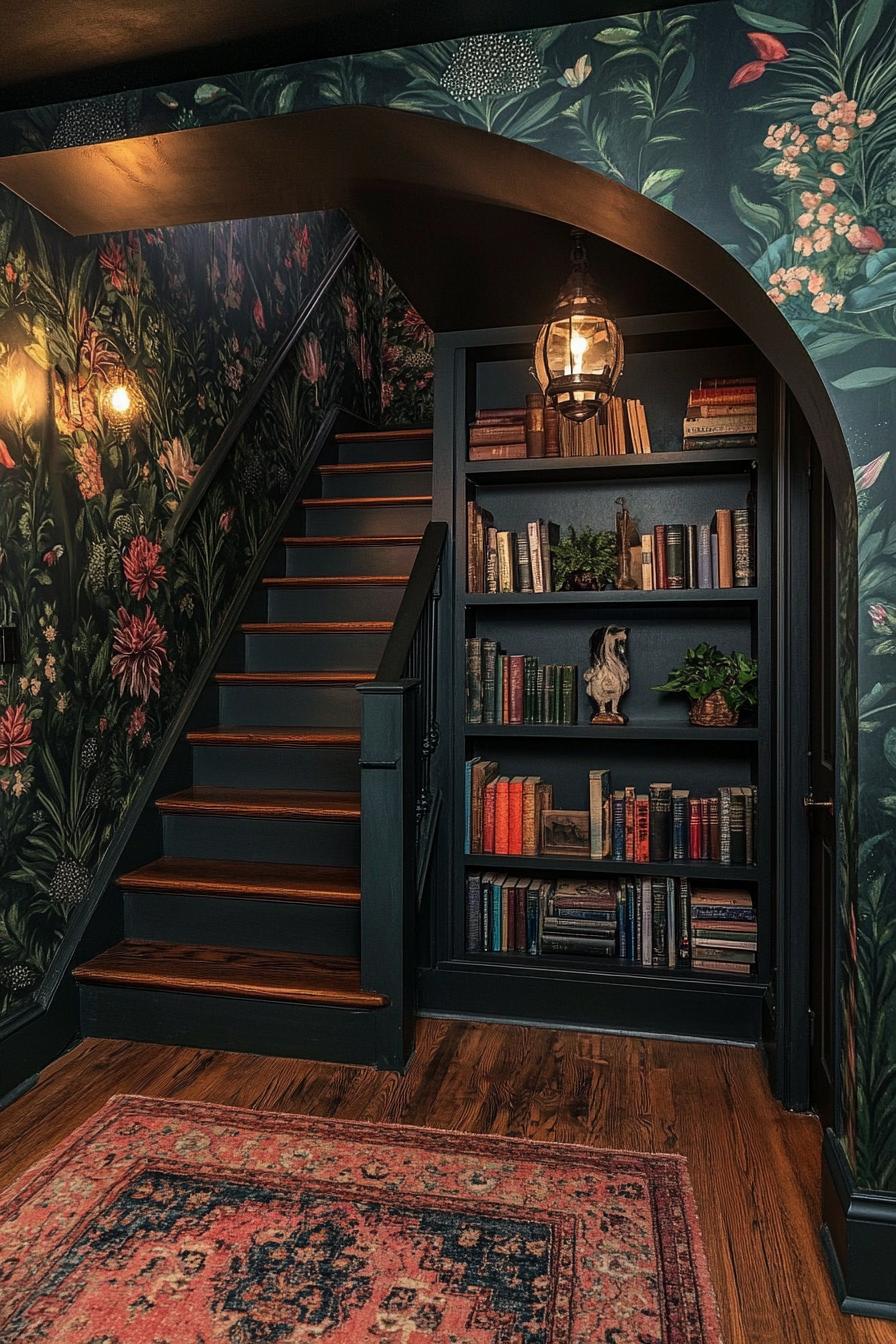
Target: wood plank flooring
(754,1167)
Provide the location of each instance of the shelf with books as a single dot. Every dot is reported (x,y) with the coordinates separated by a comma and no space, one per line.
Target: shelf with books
(614,597)
(597,967)
(574,470)
(701,870)
(602,732)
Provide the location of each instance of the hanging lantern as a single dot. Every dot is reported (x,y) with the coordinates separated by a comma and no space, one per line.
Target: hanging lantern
(122,401)
(579,352)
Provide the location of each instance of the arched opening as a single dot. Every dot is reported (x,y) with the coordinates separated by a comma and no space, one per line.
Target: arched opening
(387,169)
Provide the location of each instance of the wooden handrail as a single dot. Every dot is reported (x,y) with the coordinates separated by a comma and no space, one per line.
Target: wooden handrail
(215,460)
(419,586)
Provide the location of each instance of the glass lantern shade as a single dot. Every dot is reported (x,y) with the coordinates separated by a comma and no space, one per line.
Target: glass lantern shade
(579,351)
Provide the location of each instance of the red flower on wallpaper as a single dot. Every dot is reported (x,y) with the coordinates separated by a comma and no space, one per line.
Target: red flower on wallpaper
(416,328)
(865,238)
(5,456)
(139,653)
(768,49)
(258,314)
(302,247)
(15,735)
(112,260)
(311,361)
(142,570)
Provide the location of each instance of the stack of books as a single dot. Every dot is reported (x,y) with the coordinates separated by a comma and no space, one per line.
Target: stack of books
(581,917)
(720,554)
(724,930)
(496,434)
(504,912)
(621,428)
(721,414)
(515,688)
(503,814)
(537,430)
(501,561)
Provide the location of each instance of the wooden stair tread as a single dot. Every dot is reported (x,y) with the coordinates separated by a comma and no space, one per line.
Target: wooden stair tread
(243,972)
(383,435)
(365,501)
(285,804)
(250,735)
(273,881)
(365,468)
(336,580)
(316,627)
(401,539)
(292,678)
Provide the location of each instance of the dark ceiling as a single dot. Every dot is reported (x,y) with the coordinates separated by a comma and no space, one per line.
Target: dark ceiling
(55,50)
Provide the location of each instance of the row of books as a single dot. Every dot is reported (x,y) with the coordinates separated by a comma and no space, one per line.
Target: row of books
(537,430)
(516,688)
(720,554)
(721,413)
(661,921)
(508,562)
(516,815)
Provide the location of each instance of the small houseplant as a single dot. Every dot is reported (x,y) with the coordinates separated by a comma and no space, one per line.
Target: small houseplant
(584,560)
(719,685)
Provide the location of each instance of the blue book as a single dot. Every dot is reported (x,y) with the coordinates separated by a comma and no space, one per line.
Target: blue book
(576,912)
(619,827)
(621,925)
(630,919)
(704,555)
(533,902)
(468,805)
(496,914)
(739,914)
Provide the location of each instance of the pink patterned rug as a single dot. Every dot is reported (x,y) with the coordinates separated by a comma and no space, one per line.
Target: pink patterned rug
(167,1222)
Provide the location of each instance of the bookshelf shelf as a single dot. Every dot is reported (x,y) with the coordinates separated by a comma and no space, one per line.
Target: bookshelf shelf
(574,470)
(596,968)
(631,732)
(612,597)
(549,863)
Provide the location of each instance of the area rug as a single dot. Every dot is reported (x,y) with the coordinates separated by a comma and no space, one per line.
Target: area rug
(166,1222)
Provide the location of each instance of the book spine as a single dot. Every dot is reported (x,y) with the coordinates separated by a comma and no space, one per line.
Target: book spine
(647,562)
(660,579)
(738,824)
(596,812)
(535,425)
(674,555)
(534,535)
(533,920)
(714,841)
(691,557)
(515,816)
(679,827)
(568,694)
(488,817)
(744,550)
(724,825)
(551,431)
(473,708)
(474,913)
(618,828)
(726,554)
(660,822)
(646,922)
(524,568)
(708,427)
(642,828)
(684,920)
(468,807)
(497,433)
(704,556)
(658,930)
(530,833)
(489,654)
(629,825)
(502,816)
(496,452)
(694,835)
(515,695)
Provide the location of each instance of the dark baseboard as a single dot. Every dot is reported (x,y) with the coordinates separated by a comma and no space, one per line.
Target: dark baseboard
(858,1234)
(40,1032)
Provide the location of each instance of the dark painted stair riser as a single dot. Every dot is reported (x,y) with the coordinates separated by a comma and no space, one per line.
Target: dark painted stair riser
(302,926)
(351,483)
(369,519)
(352,602)
(276,767)
(277,652)
(325,561)
(316,706)
(254,838)
(393,449)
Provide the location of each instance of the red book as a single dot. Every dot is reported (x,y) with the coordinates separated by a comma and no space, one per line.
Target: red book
(505,692)
(659,556)
(642,828)
(516,665)
(488,817)
(521,891)
(695,829)
(630,825)
(515,816)
(705,850)
(502,815)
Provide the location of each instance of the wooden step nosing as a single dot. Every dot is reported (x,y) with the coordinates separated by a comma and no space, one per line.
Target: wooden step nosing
(347,679)
(335,581)
(352,539)
(242,878)
(238,987)
(251,736)
(383,435)
(177,805)
(377,468)
(367,502)
(316,627)
(161,886)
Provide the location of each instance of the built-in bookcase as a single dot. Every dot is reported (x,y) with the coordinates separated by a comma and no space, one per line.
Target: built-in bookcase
(665,357)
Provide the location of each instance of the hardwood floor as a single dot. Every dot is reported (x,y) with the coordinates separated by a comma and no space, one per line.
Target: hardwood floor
(754,1167)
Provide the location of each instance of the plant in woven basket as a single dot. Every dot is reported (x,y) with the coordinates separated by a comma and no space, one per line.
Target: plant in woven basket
(719,685)
(584,560)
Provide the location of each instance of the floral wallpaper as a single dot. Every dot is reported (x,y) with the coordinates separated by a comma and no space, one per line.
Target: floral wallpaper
(112,624)
(772,129)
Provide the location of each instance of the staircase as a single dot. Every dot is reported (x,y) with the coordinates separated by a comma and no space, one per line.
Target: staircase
(244,934)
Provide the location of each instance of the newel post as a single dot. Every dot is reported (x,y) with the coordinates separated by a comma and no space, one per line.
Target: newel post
(388,862)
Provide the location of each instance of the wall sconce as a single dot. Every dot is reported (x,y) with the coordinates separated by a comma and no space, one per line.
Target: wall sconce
(122,402)
(579,351)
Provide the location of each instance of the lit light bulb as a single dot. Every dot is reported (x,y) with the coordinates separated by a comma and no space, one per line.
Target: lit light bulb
(120,400)
(577,347)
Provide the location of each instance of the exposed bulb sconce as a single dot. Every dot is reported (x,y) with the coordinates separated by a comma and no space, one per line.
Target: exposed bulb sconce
(579,351)
(122,402)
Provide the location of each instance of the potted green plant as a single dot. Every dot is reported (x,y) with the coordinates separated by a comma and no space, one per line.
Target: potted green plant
(584,560)
(719,685)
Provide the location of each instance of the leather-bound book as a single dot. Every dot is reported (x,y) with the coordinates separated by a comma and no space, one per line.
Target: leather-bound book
(551,431)
(535,446)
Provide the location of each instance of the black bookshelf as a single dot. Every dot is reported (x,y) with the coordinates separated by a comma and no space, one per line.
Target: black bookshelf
(491,368)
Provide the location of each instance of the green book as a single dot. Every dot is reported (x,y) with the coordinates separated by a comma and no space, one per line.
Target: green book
(489,658)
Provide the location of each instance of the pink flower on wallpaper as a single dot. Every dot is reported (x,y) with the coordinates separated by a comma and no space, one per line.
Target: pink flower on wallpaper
(5,457)
(311,362)
(137,721)
(112,261)
(864,238)
(416,328)
(225,522)
(142,570)
(768,49)
(349,312)
(867,475)
(15,735)
(177,463)
(139,653)
(302,246)
(258,314)
(90,474)
(361,355)
(879,615)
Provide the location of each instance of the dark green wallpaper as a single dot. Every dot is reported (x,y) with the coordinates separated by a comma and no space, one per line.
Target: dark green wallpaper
(775,133)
